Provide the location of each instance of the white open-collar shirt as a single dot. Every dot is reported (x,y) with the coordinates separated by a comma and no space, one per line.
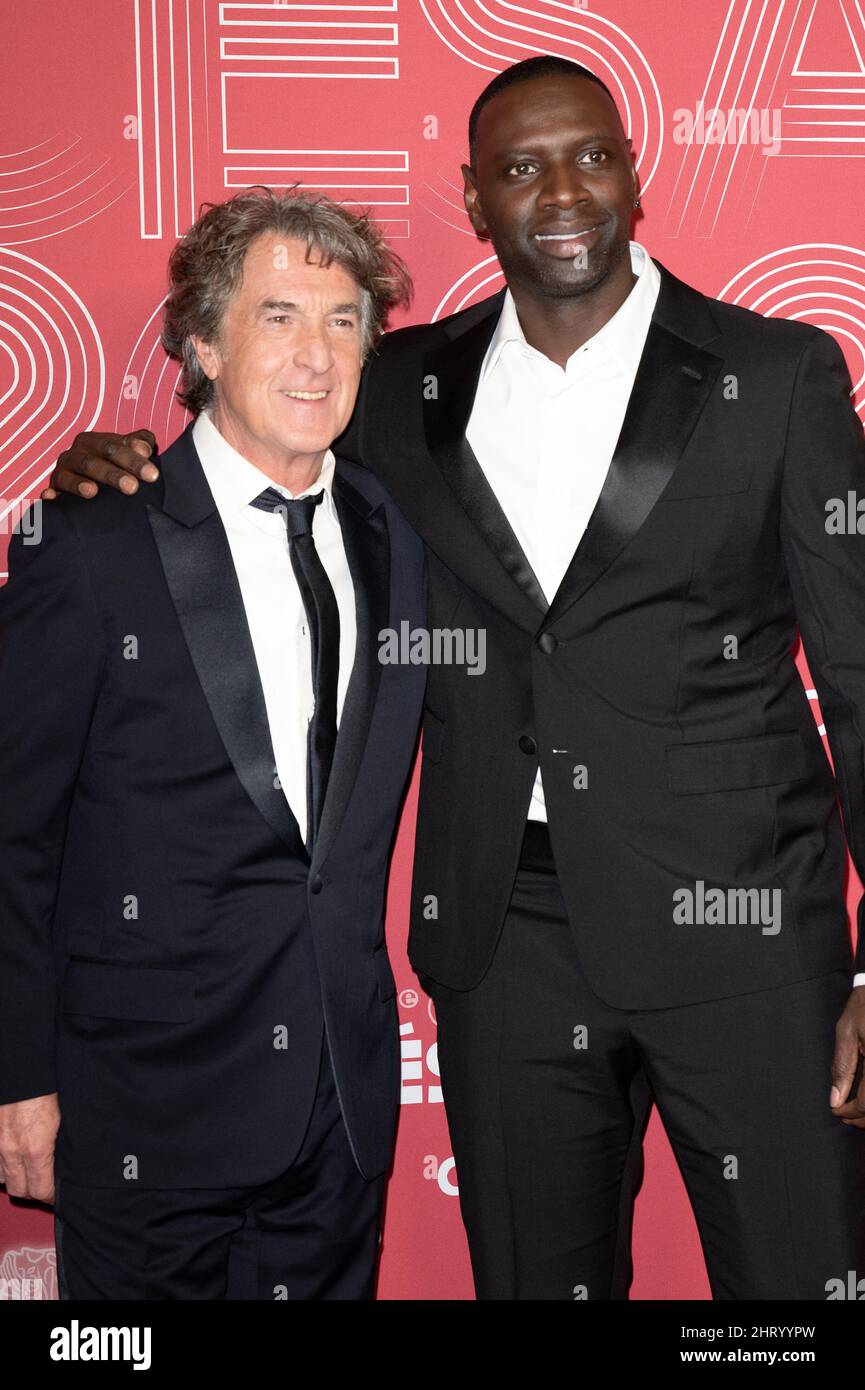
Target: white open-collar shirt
(545,435)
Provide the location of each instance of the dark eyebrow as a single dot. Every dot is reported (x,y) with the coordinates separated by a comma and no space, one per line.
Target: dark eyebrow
(509,153)
(286,305)
(600,136)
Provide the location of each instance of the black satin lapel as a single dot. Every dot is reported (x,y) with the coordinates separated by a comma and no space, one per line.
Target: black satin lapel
(671,388)
(204,588)
(367,549)
(453,369)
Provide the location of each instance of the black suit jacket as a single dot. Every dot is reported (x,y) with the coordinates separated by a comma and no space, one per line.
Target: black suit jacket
(154,889)
(700,769)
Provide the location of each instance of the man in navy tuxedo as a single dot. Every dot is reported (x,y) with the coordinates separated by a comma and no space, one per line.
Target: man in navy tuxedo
(203,761)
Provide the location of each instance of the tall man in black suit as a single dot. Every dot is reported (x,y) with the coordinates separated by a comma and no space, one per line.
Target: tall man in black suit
(629,873)
(193,975)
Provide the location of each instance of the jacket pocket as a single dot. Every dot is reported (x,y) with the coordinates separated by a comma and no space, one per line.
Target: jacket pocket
(105,989)
(731,764)
(433,735)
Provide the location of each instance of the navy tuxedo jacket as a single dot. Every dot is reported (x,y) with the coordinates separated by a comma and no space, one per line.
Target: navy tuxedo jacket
(157,906)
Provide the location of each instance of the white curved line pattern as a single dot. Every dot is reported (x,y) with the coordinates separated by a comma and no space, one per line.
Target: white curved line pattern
(36,208)
(30,149)
(156,377)
(43,147)
(12,335)
(457,221)
(15,369)
(494,35)
(819,282)
(56,373)
(482,280)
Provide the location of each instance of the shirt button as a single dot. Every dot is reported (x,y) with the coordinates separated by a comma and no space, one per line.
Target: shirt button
(527,744)
(547,643)
(316,885)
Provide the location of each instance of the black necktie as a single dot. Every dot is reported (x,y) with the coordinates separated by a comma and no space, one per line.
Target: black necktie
(322,615)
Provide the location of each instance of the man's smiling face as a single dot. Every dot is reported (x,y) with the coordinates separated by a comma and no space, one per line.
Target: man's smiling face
(288,361)
(553,184)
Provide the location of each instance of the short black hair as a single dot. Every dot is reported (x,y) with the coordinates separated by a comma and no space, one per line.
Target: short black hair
(544,65)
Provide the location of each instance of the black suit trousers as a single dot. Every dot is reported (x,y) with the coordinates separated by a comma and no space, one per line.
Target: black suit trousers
(547,1088)
(311,1233)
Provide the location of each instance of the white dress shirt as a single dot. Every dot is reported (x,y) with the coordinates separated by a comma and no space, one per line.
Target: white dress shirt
(545,435)
(271,597)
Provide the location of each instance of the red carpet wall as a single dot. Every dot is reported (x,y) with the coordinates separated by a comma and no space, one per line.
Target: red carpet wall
(121,116)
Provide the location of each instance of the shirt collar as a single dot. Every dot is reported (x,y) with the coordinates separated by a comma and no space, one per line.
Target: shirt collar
(623,335)
(235,482)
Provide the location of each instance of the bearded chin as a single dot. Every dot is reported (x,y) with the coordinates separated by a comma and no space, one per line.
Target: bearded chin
(557,279)
(560,279)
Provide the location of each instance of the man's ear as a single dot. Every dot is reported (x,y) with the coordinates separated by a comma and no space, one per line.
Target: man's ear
(471,198)
(208,357)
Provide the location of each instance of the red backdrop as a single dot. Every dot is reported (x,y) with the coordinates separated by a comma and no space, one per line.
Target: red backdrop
(121,116)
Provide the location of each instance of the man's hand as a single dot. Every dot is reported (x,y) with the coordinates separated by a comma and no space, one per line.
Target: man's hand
(849,1043)
(116,459)
(28,1129)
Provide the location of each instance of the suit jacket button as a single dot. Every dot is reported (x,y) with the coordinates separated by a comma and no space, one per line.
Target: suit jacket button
(527,744)
(547,643)
(316,885)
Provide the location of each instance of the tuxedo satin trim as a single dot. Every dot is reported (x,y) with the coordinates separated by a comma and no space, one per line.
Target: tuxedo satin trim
(199,569)
(456,368)
(674,380)
(206,594)
(367,549)
(671,388)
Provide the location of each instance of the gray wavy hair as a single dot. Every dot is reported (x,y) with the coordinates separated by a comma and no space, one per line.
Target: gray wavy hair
(206,266)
